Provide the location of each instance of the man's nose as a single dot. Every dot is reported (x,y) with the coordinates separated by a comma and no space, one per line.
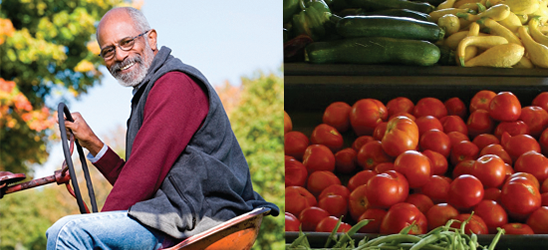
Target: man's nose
(120,54)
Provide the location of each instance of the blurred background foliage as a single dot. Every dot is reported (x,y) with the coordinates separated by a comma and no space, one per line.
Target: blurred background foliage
(47,49)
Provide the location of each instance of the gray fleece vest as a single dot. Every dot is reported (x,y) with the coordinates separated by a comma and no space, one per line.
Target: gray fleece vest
(210,181)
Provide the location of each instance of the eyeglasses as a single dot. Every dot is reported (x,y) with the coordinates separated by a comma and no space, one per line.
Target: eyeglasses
(125,44)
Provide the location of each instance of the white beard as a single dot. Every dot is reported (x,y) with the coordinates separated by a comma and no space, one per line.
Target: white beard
(134,77)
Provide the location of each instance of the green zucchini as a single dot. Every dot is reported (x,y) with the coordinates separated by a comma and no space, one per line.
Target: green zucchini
(389,26)
(372,5)
(391,12)
(373,50)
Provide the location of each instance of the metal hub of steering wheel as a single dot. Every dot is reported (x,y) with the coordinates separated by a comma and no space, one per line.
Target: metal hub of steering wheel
(62,109)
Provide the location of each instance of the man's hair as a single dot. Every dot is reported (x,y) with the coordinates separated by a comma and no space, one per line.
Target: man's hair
(140,20)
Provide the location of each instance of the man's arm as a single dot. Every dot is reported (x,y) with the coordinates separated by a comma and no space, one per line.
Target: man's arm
(175,109)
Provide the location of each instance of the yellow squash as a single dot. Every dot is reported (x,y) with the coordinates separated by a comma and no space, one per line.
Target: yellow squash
(500,30)
(512,22)
(497,13)
(524,63)
(446,4)
(483,42)
(523,6)
(535,32)
(450,23)
(538,53)
(436,14)
(499,56)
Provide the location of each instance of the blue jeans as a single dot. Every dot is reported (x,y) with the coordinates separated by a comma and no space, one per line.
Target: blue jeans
(107,230)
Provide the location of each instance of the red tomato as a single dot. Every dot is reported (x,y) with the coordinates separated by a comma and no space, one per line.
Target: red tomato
(484,140)
(335,189)
(379,131)
(295,144)
(437,189)
(328,136)
(479,122)
(402,134)
(517,228)
(520,198)
(414,166)
(492,214)
(492,194)
(544,187)
(291,223)
(464,150)
(538,220)
(372,154)
(543,141)
(329,223)
(421,201)
(534,163)
(475,225)
(359,179)
(456,137)
(337,115)
(481,100)
(505,107)
(410,116)
(536,119)
(360,141)
(430,106)
(455,106)
(497,149)
(288,125)
(436,140)
(438,162)
(311,216)
(400,105)
(366,114)
(490,170)
(402,215)
(319,180)
(513,128)
(465,192)
(541,100)
(346,161)
(386,189)
(334,204)
(375,217)
(544,199)
(427,123)
(439,214)
(454,123)
(298,198)
(518,144)
(318,157)
(526,177)
(295,173)
(358,202)
(464,167)
(383,167)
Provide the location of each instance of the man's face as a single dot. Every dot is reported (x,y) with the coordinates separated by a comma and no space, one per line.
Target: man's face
(128,67)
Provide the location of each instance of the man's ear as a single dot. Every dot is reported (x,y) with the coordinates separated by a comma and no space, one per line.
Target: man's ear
(152,39)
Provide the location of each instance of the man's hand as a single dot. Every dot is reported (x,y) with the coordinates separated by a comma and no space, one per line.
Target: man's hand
(84,134)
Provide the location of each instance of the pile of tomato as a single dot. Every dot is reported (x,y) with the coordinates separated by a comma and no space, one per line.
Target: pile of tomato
(423,163)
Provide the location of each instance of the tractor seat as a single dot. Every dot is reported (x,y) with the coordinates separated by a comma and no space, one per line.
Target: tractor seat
(238,233)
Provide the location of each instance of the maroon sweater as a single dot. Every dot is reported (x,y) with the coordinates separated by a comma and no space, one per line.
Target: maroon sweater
(174,111)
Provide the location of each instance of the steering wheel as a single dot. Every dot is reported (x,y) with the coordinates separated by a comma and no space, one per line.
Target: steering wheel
(62,109)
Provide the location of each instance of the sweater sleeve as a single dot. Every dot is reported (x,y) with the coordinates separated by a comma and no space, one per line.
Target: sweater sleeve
(174,111)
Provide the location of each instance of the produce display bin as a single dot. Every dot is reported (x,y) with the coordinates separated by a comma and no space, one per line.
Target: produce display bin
(310,88)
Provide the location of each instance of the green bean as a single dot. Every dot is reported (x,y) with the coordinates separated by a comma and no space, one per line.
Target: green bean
(391,237)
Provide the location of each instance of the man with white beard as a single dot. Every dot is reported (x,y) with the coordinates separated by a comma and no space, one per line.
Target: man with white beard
(184,170)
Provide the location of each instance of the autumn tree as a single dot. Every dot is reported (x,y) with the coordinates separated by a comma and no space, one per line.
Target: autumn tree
(257,122)
(47,48)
